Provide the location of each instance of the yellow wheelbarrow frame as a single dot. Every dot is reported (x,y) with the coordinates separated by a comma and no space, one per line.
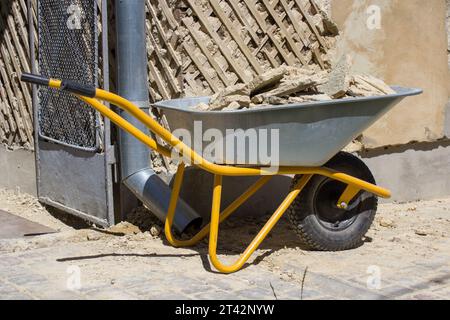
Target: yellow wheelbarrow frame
(93,97)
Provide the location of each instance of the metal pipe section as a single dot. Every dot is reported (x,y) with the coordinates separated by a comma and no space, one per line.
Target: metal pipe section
(132,83)
(132,79)
(155,194)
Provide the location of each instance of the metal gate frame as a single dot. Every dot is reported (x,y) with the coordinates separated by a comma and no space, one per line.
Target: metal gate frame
(79,182)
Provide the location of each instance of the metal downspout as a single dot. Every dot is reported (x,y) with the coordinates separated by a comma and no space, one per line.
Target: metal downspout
(132,82)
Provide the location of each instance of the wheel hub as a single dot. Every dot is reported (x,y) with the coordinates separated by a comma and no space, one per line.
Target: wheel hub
(326,210)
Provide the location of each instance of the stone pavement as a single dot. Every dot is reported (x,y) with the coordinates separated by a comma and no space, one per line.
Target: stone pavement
(396,264)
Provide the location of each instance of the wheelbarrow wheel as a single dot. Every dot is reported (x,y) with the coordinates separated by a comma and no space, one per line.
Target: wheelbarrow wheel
(318,221)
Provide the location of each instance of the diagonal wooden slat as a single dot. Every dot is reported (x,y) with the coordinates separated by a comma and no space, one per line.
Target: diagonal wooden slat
(234,34)
(167,11)
(301,33)
(286,34)
(220,43)
(311,24)
(165,67)
(201,44)
(163,36)
(261,22)
(193,55)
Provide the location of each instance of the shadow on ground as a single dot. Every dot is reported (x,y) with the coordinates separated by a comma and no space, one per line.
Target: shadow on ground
(234,236)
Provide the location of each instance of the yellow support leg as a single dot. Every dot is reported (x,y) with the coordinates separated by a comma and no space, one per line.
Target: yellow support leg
(223,216)
(350,192)
(215,220)
(172,208)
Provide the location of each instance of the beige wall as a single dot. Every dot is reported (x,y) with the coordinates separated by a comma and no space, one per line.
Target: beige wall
(409,49)
(448,31)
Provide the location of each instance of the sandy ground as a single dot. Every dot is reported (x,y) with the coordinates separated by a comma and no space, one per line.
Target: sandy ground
(395,216)
(28,207)
(403,239)
(415,227)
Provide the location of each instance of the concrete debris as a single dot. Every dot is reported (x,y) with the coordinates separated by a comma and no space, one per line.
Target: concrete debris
(266,80)
(236,90)
(239,93)
(354,146)
(93,236)
(140,220)
(222,102)
(339,82)
(270,100)
(294,72)
(288,85)
(387,223)
(365,85)
(301,83)
(124,228)
(155,231)
(310,98)
(233,106)
(202,107)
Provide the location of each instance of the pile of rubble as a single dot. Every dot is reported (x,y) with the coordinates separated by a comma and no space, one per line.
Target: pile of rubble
(288,85)
(140,220)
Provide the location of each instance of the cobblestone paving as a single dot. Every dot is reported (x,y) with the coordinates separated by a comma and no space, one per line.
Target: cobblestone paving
(396,263)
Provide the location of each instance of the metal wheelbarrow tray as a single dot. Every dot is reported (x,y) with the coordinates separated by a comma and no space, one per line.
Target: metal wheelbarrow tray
(310,134)
(331,204)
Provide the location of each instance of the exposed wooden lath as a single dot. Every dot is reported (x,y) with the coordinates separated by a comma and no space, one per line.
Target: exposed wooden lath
(16,125)
(197,47)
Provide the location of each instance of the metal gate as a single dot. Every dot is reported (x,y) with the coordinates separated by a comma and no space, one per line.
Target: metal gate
(74,153)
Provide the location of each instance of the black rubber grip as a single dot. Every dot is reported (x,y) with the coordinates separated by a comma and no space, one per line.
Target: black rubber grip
(35,79)
(81,89)
(67,85)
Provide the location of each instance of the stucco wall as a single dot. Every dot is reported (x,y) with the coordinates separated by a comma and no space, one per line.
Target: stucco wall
(409,48)
(448,31)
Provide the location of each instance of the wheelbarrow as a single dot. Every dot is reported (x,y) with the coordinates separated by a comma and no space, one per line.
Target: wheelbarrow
(333,198)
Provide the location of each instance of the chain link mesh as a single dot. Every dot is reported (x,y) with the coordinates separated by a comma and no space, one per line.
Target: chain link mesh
(68,50)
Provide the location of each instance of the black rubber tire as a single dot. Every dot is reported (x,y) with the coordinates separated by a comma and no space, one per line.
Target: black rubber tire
(314,210)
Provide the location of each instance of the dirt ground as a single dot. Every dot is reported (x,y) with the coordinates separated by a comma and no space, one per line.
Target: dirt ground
(406,243)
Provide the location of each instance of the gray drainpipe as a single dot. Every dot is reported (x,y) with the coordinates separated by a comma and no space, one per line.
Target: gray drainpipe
(132,84)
